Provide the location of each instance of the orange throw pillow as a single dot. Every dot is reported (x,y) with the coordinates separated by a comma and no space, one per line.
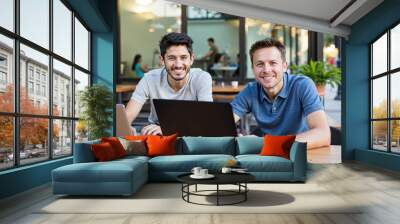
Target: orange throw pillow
(161,145)
(103,152)
(277,145)
(116,145)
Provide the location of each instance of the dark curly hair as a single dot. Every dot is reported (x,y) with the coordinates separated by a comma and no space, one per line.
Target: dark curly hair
(267,43)
(173,39)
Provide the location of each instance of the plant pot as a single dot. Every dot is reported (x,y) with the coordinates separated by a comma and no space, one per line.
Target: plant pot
(321,89)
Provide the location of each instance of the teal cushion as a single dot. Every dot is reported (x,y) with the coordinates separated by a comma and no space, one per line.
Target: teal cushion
(257,163)
(249,145)
(83,152)
(185,163)
(133,158)
(208,145)
(111,171)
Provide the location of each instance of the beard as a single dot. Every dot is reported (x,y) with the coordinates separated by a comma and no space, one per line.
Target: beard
(182,73)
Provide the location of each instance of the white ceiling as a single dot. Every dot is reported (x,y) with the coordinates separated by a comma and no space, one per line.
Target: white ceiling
(324,9)
(316,15)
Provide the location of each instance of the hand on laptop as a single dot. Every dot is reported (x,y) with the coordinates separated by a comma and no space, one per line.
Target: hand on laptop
(151,129)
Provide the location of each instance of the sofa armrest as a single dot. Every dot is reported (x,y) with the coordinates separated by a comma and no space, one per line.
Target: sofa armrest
(298,155)
(83,152)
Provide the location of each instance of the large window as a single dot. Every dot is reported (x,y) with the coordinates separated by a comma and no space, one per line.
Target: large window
(7,14)
(34,25)
(385,96)
(40,80)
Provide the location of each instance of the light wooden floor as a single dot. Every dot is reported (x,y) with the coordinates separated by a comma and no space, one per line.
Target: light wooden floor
(378,189)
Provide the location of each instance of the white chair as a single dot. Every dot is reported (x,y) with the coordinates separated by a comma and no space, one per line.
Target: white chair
(123,127)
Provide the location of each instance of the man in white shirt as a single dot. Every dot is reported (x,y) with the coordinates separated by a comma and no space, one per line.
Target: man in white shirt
(176,80)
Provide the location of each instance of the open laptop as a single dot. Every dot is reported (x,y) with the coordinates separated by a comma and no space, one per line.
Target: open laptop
(195,118)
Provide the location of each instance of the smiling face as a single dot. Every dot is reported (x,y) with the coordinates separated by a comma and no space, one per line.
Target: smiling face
(177,61)
(268,67)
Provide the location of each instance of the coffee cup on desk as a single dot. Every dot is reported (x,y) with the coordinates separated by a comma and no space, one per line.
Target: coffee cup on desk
(235,84)
(196,171)
(203,172)
(226,170)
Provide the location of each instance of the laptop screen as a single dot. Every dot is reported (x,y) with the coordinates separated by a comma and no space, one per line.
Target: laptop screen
(195,118)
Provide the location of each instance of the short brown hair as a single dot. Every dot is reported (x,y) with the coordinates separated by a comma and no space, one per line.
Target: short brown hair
(267,43)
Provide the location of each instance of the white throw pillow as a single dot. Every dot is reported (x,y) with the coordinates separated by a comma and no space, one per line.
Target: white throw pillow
(134,147)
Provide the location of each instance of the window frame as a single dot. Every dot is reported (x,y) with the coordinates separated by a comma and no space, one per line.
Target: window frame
(16,115)
(388,74)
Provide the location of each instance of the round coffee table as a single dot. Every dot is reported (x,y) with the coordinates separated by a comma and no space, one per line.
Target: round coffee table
(238,179)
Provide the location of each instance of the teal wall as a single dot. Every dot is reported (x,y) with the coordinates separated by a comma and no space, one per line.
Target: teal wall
(104,51)
(377,158)
(100,17)
(24,178)
(356,92)
(102,59)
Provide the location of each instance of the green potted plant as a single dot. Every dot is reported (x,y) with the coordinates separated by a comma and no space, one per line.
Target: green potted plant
(96,102)
(320,72)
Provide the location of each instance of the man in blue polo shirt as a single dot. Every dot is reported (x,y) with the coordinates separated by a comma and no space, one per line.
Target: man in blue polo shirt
(282,104)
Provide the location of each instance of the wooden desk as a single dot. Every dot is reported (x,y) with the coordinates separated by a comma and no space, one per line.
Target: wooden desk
(225,93)
(223,97)
(217,89)
(229,91)
(325,155)
(123,88)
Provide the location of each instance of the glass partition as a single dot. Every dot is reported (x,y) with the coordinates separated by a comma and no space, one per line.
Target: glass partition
(294,39)
(143,23)
(215,41)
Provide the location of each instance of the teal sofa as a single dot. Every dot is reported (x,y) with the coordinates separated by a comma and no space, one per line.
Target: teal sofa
(125,176)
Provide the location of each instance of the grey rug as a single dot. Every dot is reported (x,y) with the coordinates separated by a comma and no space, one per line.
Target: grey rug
(166,198)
